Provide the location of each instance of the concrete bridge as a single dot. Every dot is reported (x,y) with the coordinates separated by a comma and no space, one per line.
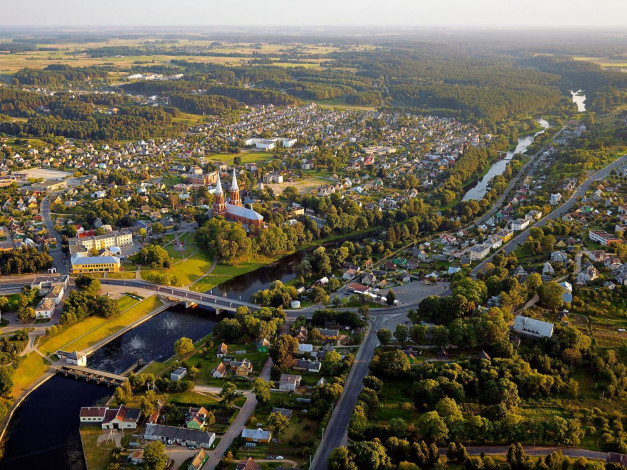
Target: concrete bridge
(190,298)
(91,375)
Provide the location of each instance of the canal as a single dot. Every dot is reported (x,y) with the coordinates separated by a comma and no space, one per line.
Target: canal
(478,191)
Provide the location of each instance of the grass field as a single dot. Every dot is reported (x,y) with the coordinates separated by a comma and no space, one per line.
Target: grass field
(189,270)
(246,156)
(97,456)
(122,275)
(88,332)
(223,273)
(31,368)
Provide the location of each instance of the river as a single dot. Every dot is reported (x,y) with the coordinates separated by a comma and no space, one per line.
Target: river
(478,191)
(580,100)
(44,430)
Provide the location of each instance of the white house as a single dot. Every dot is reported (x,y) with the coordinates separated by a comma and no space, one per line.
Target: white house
(479,251)
(532,327)
(520,224)
(45,309)
(547,269)
(289,382)
(76,359)
(555,199)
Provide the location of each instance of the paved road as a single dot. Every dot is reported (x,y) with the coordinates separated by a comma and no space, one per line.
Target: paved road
(235,429)
(558,212)
(337,428)
(61,261)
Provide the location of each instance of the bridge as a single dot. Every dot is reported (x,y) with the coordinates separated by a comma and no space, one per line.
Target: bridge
(91,375)
(190,298)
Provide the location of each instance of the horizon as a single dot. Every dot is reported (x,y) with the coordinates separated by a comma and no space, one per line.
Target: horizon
(325,13)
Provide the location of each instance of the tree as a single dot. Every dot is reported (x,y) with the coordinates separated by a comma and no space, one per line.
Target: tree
(158,228)
(432,427)
(142,233)
(277,423)
(183,346)
(384,336)
(229,394)
(418,333)
(282,350)
(331,363)
(400,333)
(369,455)
(391,363)
(533,281)
(551,295)
(26,315)
(390,297)
(123,394)
(6,381)
(341,459)
(155,457)
(262,390)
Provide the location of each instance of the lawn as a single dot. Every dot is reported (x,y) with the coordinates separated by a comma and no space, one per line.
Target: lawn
(246,156)
(122,275)
(89,331)
(223,273)
(30,369)
(189,270)
(97,456)
(193,399)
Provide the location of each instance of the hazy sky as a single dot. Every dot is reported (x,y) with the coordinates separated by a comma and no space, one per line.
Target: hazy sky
(498,13)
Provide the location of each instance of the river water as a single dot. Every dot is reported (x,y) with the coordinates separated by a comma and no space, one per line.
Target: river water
(579,99)
(478,191)
(44,430)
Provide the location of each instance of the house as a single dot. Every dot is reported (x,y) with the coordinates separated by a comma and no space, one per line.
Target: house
(329,334)
(559,256)
(555,199)
(520,224)
(604,238)
(289,382)
(178,374)
(302,334)
(76,359)
(284,411)
(198,461)
(45,309)
(587,275)
(196,418)
(532,327)
(137,457)
(496,242)
(547,269)
(358,288)
(241,368)
(479,251)
(308,365)
(219,371)
(111,418)
(305,348)
(83,264)
(257,436)
(505,235)
(182,436)
(248,464)
(223,350)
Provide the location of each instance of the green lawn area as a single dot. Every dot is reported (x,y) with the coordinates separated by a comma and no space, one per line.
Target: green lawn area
(189,270)
(223,273)
(192,398)
(97,456)
(30,369)
(125,302)
(89,331)
(246,156)
(122,275)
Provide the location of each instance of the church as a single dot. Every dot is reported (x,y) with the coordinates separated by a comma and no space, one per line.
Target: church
(234,210)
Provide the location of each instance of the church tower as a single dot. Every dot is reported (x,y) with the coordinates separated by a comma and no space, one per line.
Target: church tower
(235,200)
(219,207)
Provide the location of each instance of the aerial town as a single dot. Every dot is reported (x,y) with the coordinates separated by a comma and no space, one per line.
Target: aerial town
(263,252)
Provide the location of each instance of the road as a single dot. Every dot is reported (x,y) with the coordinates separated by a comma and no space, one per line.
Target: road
(235,429)
(556,213)
(535,450)
(61,262)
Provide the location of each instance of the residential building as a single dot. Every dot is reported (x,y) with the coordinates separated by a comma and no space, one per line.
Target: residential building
(99,242)
(289,382)
(603,237)
(479,251)
(182,436)
(520,224)
(532,327)
(198,461)
(257,435)
(196,418)
(111,418)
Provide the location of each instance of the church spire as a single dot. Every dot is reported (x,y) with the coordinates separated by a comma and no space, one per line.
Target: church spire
(234,183)
(235,200)
(219,207)
(218,185)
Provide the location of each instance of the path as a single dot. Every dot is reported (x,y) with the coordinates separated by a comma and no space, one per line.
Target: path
(535,450)
(209,271)
(235,429)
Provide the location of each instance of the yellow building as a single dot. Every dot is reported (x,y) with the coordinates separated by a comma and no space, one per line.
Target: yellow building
(505,234)
(100,242)
(94,264)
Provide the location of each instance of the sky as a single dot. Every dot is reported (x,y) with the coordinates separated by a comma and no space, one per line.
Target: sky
(434,13)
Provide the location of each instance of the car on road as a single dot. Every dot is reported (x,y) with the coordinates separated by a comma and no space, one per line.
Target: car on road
(279,457)
(269,457)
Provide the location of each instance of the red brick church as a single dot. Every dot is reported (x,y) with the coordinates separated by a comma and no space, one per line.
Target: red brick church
(234,210)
